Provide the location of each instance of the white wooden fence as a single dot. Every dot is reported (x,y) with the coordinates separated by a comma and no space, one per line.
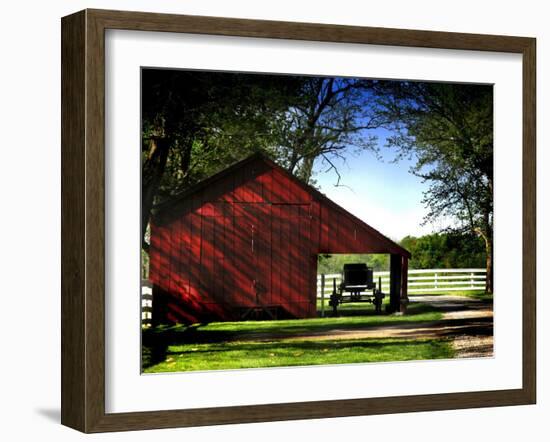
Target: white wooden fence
(146,302)
(419,281)
(422,281)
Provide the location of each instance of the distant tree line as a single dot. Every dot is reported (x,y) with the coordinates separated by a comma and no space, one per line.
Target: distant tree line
(445,251)
(434,251)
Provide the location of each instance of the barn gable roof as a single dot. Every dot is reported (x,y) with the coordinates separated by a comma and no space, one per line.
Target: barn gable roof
(167,205)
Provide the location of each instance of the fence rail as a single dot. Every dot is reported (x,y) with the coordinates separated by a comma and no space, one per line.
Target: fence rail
(421,281)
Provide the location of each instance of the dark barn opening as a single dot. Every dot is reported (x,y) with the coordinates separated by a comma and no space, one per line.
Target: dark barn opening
(243,244)
(353,278)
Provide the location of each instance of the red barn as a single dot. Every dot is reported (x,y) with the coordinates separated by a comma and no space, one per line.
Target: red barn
(248,238)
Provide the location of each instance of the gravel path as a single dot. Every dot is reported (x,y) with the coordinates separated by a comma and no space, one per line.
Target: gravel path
(478,342)
(467,321)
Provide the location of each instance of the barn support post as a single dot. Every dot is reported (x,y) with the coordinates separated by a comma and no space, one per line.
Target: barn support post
(395,283)
(158,306)
(404,296)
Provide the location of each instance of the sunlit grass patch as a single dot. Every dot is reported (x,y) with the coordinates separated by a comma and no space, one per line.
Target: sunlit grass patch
(235,355)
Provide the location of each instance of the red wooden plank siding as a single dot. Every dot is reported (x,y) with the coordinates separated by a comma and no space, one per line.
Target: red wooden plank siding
(280,188)
(255,185)
(185,238)
(324,233)
(175,246)
(195,257)
(154,254)
(305,254)
(263,253)
(335,241)
(247,192)
(276,261)
(314,249)
(238,190)
(283,259)
(346,232)
(218,267)
(226,189)
(164,258)
(247,189)
(266,181)
(294,267)
(242,256)
(300,251)
(286,289)
(207,259)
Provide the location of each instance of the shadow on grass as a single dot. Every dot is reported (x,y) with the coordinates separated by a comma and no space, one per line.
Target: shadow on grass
(233,355)
(155,342)
(351,310)
(299,346)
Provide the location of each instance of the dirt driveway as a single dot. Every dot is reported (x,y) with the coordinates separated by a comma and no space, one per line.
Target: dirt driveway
(468,322)
(473,338)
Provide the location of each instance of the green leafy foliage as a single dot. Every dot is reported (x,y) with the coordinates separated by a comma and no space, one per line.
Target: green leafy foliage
(330,264)
(445,251)
(435,251)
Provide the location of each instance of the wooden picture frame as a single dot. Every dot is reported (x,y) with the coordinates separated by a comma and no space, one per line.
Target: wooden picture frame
(83,220)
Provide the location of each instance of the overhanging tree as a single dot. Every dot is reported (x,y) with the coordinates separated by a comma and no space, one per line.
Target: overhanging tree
(196,123)
(330,116)
(448,128)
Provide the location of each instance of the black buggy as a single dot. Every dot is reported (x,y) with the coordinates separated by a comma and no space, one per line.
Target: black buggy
(357,286)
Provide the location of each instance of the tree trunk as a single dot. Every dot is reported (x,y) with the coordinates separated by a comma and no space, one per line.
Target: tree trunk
(155,166)
(186,158)
(307,169)
(293,161)
(489,265)
(489,281)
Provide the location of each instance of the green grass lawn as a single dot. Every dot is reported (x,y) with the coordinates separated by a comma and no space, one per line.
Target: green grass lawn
(234,355)
(477,294)
(230,345)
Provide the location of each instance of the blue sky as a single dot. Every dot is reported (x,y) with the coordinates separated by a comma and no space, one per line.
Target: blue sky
(381,192)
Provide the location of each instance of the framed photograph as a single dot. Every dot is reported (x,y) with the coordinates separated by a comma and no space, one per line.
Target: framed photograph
(267,221)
